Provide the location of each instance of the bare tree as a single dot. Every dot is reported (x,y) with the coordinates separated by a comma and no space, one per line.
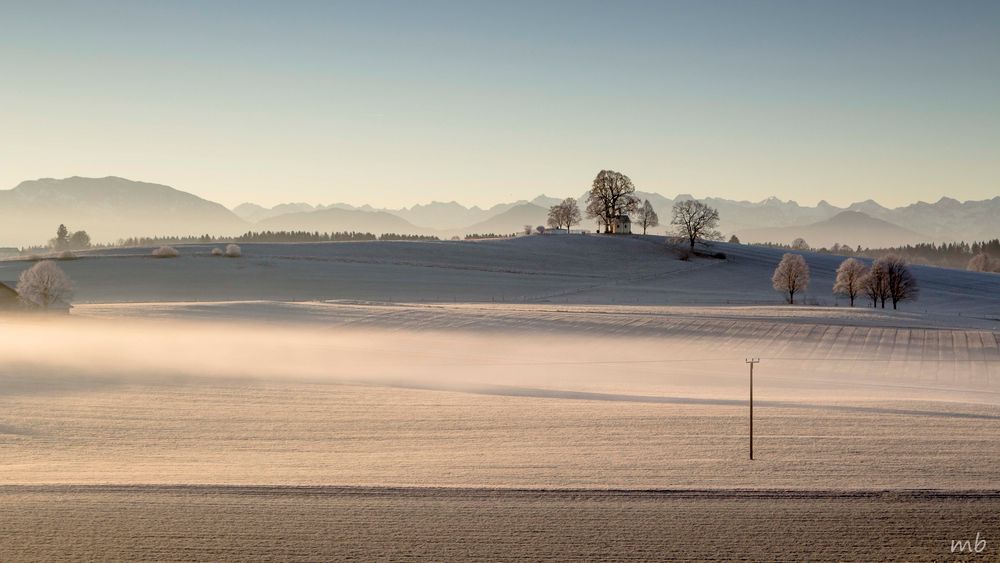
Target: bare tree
(566,212)
(875,285)
(900,283)
(646,216)
(850,279)
(44,284)
(611,196)
(527,229)
(791,276)
(695,221)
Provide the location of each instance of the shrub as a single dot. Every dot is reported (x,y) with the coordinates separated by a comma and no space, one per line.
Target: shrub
(66,255)
(540,229)
(233,251)
(165,252)
(216,252)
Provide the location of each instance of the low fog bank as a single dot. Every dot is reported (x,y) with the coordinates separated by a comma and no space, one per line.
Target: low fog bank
(52,355)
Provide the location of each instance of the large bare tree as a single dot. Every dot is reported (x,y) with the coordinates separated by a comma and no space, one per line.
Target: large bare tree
(611,195)
(900,284)
(791,276)
(565,213)
(44,284)
(695,221)
(646,216)
(850,279)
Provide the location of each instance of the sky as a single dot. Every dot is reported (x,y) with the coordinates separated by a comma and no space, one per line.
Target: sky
(397,103)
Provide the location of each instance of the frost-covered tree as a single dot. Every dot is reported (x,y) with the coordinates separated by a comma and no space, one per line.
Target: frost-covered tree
(646,216)
(564,214)
(695,221)
(982,262)
(611,196)
(900,283)
(791,276)
(44,284)
(800,244)
(734,240)
(233,251)
(850,279)
(166,252)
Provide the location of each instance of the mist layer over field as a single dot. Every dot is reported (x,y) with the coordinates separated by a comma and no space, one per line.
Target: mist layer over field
(127,400)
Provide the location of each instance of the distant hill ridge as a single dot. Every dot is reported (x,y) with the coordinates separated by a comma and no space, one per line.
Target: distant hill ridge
(112,207)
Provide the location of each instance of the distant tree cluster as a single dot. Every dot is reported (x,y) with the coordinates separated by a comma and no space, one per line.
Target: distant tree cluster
(64,240)
(889,280)
(977,256)
(486,235)
(271,236)
(395,236)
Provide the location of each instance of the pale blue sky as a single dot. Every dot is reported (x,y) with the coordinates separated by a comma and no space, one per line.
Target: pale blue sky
(395,103)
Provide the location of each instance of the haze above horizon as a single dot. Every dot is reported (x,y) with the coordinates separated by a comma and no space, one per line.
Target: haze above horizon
(396,103)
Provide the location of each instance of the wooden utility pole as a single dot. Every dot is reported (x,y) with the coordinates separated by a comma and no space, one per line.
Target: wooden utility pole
(751,361)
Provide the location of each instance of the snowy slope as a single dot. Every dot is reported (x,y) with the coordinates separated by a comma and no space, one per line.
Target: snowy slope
(587,269)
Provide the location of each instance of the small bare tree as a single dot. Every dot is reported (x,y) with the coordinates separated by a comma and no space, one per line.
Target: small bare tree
(695,221)
(646,216)
(850,279)
(565,213)
(900,284)
(44,284)
(791,276)
(876,286)
(800,244)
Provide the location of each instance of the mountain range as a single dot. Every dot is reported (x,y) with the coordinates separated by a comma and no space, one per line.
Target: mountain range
(112,208)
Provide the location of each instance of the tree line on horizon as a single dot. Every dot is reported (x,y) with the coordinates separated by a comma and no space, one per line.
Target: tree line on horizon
(977,256)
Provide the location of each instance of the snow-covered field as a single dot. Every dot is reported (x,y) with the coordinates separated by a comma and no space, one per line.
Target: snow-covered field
(538,269)
(544,363)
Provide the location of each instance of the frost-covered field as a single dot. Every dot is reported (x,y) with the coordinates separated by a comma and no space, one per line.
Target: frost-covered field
(539,269)
(186,401)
